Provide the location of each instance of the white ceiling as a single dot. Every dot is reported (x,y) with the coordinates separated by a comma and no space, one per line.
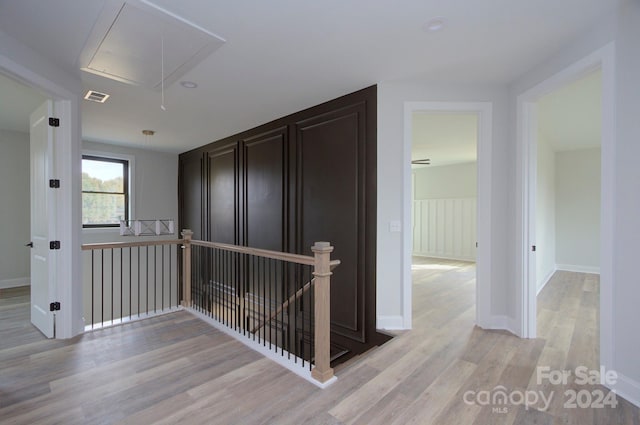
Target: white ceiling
(571,117)
(283,55)
(444,138)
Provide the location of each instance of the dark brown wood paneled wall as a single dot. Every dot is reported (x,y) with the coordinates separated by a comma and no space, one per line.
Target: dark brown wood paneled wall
(307,177)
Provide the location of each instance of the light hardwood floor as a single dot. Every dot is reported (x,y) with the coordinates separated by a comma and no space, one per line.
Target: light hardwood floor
(176,369)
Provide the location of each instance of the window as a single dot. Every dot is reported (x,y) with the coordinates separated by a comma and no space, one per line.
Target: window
(105,191)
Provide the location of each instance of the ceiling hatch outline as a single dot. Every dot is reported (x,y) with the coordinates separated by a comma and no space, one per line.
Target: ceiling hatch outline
(126,44)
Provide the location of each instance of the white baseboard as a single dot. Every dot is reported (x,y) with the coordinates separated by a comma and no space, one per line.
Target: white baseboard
(272,354)
(443,257)
(390,323)
(545,281)
(14,283)
(578,269)
(628,389)
(505,323)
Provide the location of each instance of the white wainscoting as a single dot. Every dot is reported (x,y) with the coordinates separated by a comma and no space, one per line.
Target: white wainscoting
(445,228)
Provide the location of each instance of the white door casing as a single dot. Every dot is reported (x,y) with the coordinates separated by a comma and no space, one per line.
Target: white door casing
(42,219)
(484,110)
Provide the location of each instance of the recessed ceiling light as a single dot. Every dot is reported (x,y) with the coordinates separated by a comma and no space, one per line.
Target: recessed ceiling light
(435,24)
(188,84)
(96,96)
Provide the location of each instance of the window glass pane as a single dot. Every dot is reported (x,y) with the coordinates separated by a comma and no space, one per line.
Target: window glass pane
(102,176)
(100,208)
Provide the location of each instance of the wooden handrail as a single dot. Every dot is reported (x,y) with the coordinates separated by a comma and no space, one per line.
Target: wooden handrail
(292,298)
(284,256)
(322,270)
(110,245)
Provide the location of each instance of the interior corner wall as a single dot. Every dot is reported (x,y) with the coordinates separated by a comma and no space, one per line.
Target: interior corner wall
(391,271)
(155,191)
(14,209)
(446,181)
(578,210)
(626,314)
(545,212)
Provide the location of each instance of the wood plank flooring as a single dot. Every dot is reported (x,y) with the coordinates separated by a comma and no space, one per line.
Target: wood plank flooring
(176,369)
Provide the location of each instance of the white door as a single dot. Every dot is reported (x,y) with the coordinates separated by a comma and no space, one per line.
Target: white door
(42,258)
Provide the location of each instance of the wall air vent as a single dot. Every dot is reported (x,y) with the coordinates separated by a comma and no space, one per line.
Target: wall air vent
(139,43)
(96,96)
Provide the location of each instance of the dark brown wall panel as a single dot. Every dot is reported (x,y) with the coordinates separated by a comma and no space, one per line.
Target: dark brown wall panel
(191,194)
(265,166)
(306,177)
(331,209)
(223,195)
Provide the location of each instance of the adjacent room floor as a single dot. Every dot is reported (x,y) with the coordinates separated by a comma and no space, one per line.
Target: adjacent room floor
(176,369)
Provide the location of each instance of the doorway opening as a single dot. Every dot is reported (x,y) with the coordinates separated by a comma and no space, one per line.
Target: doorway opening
(15,188)
(574,174)
(444,214)
(567,215)
(66,214)
(453,217)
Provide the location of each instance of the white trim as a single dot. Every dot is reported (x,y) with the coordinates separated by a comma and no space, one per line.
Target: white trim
(283,361)
(485,186)
(628,388)
(441,257)
(502,323)
(604,59)
(546,280)
(390,323)
(578,269)
(15,283)
(135,318)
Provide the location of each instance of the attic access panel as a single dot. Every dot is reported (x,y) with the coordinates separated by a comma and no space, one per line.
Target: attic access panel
(126,44)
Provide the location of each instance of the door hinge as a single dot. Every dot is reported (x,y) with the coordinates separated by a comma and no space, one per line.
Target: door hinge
(476,244)
(54,122)
(54,245)
(533,248)
(54,306)
(54,183)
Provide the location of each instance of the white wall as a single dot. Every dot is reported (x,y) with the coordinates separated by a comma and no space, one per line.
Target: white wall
(578,210)
(14,209)
(391,271)
(545,212)
(445,228)
(626,295)
(155,191)
(447,181)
